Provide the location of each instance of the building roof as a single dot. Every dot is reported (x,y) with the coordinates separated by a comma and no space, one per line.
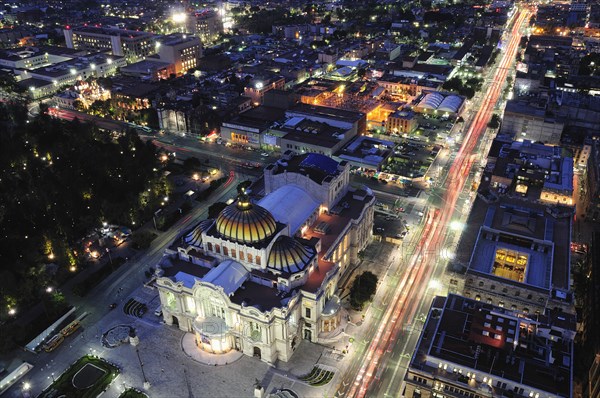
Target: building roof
(451,104)
(99,30)
(462,336)
(327,112)
(289,255)
(245,222)
(318,168)
(514,228)
(194,237)
(290,205)
(229,275)
(431,101)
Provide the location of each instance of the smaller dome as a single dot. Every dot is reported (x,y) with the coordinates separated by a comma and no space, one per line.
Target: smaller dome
(288,255)
(194,237)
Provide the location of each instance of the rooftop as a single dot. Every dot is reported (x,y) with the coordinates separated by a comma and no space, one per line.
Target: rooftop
(517,241)
(366,151)
(462,335)
(310,132)
(531,163)
(319,168)
(177,38)
(100,30)
(326,112)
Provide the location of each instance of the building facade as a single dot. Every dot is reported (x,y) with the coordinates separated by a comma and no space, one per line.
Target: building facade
(263,275)
(131,44)
(183,51)
(206,24)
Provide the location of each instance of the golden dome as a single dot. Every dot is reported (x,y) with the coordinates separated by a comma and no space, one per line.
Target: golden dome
(289,255)
(244,222)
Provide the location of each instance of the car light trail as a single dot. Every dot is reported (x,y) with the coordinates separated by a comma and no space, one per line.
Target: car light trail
(407,295)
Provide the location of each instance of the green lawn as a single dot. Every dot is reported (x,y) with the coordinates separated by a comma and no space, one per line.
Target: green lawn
(132,393)
(94,379)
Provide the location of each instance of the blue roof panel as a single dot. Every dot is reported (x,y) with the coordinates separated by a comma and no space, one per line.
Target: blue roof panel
(321,162)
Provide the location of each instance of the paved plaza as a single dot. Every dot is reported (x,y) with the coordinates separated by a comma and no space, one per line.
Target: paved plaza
(160,358)
(168,359)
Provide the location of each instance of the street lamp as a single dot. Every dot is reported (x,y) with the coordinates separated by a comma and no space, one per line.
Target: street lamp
(49,289)
(456,225)
(12,311)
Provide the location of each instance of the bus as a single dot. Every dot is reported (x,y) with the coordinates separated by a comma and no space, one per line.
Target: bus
(70,328)
(54,342)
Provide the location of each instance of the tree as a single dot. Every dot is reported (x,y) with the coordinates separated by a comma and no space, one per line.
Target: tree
(192,164)
(215,209)
(362,290)
(494,122)
(78,105)
(242,186)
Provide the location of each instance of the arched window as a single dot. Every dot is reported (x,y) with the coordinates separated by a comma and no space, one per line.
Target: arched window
(257,260)
(249,257)
(225,251)
(209,246)
(233,253)
(242,256)
(218,249)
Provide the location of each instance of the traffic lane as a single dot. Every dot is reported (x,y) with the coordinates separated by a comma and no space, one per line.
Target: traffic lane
(459,169)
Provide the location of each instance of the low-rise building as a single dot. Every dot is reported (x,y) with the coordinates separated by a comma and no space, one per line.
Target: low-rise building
(472,349)
(69,72)
(182,51)
(35,57)
(401,122)
(526,121)
(532,171)
(258,86)
(133,45)
(518,254)
(366,152)
(150,69)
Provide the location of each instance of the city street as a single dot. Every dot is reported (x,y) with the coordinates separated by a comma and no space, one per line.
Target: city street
(378,369)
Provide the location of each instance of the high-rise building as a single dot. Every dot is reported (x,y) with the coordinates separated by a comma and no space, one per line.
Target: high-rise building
(206,24)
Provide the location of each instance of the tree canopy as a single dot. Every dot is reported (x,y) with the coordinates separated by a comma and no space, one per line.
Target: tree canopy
(362,289)
(59,180)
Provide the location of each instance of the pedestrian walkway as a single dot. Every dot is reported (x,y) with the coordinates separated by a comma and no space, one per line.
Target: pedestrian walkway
(188,344)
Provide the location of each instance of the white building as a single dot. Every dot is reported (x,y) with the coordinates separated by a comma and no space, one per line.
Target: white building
(263,276)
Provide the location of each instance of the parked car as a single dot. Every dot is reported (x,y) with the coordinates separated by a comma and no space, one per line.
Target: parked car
(265,154)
